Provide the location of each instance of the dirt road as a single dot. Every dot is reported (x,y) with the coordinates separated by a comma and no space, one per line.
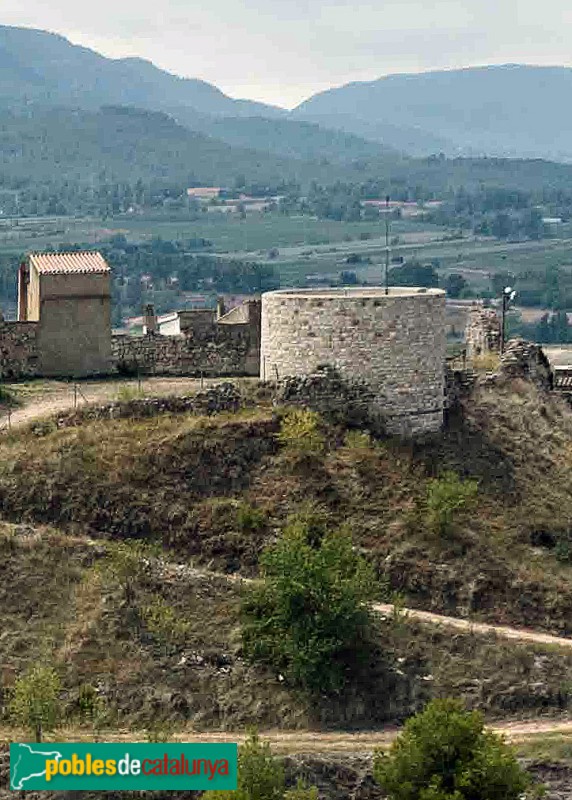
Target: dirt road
(42,398)
(519,634)
(305,741)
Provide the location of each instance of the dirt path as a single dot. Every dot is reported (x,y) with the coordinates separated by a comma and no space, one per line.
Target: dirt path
(43,398)
(304,741)
(519,634)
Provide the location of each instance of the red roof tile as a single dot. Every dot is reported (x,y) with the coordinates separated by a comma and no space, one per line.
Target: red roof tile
(65,263)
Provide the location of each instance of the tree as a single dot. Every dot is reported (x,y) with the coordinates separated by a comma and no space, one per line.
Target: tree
(455,284)
(35,704)
(413,273)
(310,617)
(448,498)
(261,776)
(444,753)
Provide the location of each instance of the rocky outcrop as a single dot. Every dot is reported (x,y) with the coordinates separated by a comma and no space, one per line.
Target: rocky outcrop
(525,360)
(340,401)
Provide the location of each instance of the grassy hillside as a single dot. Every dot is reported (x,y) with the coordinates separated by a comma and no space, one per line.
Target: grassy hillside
(160,642)
(121,594)
(185,482)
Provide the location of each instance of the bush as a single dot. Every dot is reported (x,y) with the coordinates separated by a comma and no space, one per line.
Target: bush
(300,433)
(310,617)
(444,753)
(164,623)
(35,704)
(125,564)
(7,397)
(261,777)
(249,518)
(448,499)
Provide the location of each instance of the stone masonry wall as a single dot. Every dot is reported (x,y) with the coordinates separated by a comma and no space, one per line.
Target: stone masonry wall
(230,350)
(19,356)
(483,332)
(394,343)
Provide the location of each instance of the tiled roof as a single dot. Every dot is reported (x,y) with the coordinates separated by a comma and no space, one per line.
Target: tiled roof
(65,263)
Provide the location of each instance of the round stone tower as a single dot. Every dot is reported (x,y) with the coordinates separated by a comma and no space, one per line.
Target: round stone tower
(394,342)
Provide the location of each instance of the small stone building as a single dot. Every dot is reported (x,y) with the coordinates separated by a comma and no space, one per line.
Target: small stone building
(68,295)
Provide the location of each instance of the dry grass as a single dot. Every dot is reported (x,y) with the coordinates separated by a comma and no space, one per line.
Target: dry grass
(488,362)
(167,648)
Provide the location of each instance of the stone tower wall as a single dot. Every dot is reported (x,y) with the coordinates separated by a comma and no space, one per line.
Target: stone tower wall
(395,343)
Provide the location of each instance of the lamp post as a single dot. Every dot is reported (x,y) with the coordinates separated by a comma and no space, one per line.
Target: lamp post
(507,297)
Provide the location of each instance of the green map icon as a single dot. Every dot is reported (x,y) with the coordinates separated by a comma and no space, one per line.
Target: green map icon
(28,764)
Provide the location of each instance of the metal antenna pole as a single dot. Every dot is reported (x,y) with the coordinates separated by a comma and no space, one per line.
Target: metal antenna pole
(386,245)
(502,325)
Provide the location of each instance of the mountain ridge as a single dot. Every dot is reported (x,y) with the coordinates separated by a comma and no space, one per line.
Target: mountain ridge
(508,110)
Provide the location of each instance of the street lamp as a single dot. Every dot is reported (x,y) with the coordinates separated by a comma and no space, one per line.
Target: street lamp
(508,295)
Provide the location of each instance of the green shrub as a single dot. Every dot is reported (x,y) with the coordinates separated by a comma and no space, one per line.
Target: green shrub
(163,621)
(125,564)
(261,776)
(444,753)
(36,704)
(7,397)
(448,499)
(159,732)
(250,519)
(301,792)
(358,440)
(563,547)
(126,394)
(300,433)
(309,618)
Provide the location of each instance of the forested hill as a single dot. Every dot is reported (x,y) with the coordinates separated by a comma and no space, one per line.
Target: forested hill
(41,68)
(123,144)
(511,110)
(63,151)
(37,66)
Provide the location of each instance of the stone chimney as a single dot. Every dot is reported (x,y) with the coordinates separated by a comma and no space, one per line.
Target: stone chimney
(150,323)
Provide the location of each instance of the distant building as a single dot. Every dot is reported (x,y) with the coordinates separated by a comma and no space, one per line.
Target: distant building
(198,322)
(204,192)
(69,296)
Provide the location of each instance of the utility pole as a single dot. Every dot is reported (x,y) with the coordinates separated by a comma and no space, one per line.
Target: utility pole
(387,244)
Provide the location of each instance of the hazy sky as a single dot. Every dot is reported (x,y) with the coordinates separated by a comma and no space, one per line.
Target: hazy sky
(281,51)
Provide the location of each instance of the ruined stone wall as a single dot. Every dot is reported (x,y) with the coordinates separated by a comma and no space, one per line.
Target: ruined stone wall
(226,351)
(18,350)
(224,397)
(394,343)
(483,332)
